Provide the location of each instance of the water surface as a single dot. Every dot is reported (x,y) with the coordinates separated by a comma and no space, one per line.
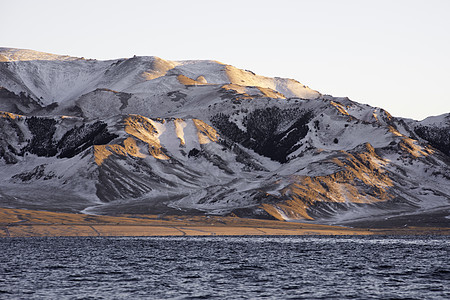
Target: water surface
(231,267)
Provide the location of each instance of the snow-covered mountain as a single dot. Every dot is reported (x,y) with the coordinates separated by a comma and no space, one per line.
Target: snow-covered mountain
(146,135)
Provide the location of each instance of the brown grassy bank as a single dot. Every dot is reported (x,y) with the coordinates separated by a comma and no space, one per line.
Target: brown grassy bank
(27,223)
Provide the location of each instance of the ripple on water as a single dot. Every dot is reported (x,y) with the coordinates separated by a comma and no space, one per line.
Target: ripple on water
(231,267)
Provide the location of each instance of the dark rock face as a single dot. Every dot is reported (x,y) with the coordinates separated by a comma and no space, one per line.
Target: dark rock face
(268,132)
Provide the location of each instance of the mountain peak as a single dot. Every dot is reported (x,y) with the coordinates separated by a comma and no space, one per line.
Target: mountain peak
(14,54)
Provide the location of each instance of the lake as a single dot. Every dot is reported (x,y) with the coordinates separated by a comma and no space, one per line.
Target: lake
(298,267)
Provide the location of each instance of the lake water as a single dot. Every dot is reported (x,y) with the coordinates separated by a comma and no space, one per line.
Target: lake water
(225,267)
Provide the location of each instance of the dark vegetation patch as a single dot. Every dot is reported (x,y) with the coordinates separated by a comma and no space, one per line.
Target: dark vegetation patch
(80,138)
(41,143)
(73,142)
(10,135)
(438,137)
(194,152)
(272,132)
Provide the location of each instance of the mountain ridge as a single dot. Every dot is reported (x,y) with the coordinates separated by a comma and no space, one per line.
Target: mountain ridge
(154,136)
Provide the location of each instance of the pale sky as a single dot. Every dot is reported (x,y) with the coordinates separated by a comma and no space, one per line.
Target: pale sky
(392,54)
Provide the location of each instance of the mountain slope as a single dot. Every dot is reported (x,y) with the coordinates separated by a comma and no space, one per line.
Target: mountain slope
(145,135)
(56,79)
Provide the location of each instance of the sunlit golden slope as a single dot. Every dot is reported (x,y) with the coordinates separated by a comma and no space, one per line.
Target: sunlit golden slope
(362,179)
(149,132)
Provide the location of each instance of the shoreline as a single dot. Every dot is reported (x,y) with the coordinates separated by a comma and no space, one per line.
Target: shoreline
(32,223)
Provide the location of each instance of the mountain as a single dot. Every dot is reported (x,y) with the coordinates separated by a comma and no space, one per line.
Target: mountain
(146,135)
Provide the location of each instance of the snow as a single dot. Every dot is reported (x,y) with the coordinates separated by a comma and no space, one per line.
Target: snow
(54,78)
(440,121)
(220,176)
(13,54)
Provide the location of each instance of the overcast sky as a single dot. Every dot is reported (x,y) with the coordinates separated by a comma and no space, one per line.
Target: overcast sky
(393,54)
